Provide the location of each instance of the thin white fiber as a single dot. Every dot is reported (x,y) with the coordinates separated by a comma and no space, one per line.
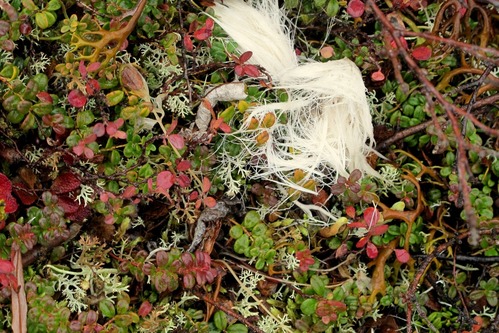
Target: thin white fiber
(328,129)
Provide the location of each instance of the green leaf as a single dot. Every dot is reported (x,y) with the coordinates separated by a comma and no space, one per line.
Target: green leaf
(259,229)
(106,307)
(318,285)
(236,231)
(45,19)
(251,219)
(84,118)
(15,117)
(53,5)
(220,320)
(146,171)
(332,8)
(237,328)
(290,4)
(309,306)
(114,97)
(241,244)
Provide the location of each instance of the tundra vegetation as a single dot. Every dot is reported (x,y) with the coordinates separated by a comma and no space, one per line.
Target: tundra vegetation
(126,140)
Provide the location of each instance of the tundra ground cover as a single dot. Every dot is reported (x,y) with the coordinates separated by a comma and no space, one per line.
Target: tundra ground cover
(121,149)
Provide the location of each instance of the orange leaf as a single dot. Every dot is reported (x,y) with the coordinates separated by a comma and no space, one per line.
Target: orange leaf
(206,185)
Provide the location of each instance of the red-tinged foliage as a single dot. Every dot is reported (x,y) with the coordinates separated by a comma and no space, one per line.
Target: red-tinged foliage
(196,269)
(371,250)
(77,99)
(305,258)
(225,128)
(176,140)
(65,183)
(45,97)
(183,180)
(245,56)
(421,53)
(328,310)
(129,192)
(26,195)
(402,255)
(205,31)
(93,67)
(350,211)
(371,217)
(6,194)
(183,165)
(110,128)
(209,202)
(82,149)
(164,181)
(189,46)
(144,309)
(402,40)
(92,87)
(206,184)
(7,277)
(80,215)
(377,76)
(68,204)
(355,8)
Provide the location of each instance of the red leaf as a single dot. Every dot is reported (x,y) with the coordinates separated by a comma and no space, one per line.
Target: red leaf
(44,97)
(372,250)
(377,76)
(80,215)
(350,211)
(320,198)
(99,129)
(144,309)
(129,192)
(239,70)
(245,57)
(189,46)
(341,251)
(77,99)
(82,69)
(10,202)
(421,53)
(26,195)
(378,230)
(362,242)
(69,205)
(6,266)
(206,185)
(164,181)
(202,34)
(402,255)
(355,8)
(183,180)
(176,140)
(357,225)
(209,202)
(5,184)
(193,196)
(251,70)
(402,41)
(371,216)
(225,128)
(65,182)
(184,165)
(92,87)
(93,67)
(209,23)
